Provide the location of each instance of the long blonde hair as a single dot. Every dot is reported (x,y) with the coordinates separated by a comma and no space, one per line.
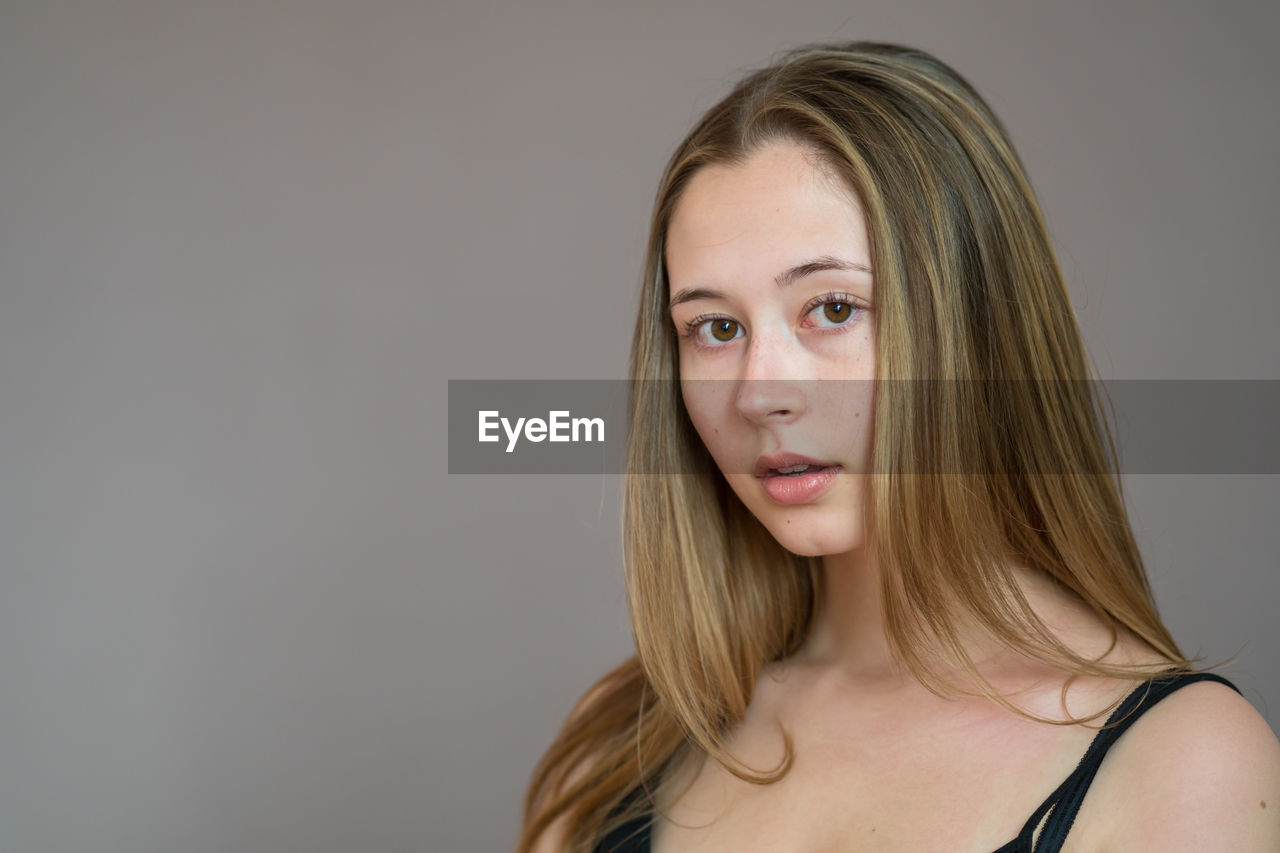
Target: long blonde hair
(969,295)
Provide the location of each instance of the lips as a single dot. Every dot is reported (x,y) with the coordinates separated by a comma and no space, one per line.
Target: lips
(767,466)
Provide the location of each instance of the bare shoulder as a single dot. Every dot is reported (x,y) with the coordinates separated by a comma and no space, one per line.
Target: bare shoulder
(1199,771)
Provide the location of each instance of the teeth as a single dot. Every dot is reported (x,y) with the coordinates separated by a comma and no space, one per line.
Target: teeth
(793,469)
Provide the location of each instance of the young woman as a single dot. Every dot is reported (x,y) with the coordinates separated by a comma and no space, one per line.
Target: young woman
(881,581)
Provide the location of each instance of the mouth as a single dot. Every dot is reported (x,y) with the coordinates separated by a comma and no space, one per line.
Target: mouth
(796,482)
(798,470)
(790,465)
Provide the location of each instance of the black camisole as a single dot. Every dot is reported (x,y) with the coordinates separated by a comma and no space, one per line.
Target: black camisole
(1062,804)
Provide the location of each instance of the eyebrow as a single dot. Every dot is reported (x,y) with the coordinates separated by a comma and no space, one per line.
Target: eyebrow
(785,279)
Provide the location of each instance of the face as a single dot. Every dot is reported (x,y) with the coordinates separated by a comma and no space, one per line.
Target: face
(771,289)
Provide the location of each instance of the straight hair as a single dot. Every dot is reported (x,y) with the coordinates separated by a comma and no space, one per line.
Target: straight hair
(969,295)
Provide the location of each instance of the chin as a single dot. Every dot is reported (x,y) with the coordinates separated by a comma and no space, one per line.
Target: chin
(806,530)
(814,537)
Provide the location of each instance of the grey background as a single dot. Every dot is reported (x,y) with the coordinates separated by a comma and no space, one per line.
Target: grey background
(243,247)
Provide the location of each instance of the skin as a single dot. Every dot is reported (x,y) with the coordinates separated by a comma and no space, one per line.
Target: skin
(796,375)
(882,763)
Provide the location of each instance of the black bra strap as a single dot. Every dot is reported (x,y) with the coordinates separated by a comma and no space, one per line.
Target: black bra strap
(1066,800)
(629,837)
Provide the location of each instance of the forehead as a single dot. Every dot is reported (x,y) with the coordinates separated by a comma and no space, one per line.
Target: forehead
(778,207)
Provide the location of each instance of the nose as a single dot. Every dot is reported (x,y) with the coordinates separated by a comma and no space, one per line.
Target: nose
(769,388)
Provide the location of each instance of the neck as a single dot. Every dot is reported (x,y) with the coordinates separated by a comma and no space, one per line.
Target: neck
(848,632)
(848,628)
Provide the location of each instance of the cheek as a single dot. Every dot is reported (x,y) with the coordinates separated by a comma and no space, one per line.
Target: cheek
(700,413)
(859,417)
(705,402)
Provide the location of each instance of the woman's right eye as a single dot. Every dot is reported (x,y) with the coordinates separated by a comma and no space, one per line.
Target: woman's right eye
(720,329)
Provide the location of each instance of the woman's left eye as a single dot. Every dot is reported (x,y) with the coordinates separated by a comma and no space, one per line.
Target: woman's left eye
(836,310)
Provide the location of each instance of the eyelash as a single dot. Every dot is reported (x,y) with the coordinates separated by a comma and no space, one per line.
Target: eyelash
(691,327)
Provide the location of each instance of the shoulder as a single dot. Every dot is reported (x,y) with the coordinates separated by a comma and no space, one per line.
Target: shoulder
(1198,771)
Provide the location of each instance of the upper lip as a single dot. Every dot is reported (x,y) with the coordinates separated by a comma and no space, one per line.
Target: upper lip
(765,464)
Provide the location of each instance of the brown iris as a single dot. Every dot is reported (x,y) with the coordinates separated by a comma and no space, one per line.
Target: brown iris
(837,312)
(724,330)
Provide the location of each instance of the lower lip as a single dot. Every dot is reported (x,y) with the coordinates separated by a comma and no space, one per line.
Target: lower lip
(800,488)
